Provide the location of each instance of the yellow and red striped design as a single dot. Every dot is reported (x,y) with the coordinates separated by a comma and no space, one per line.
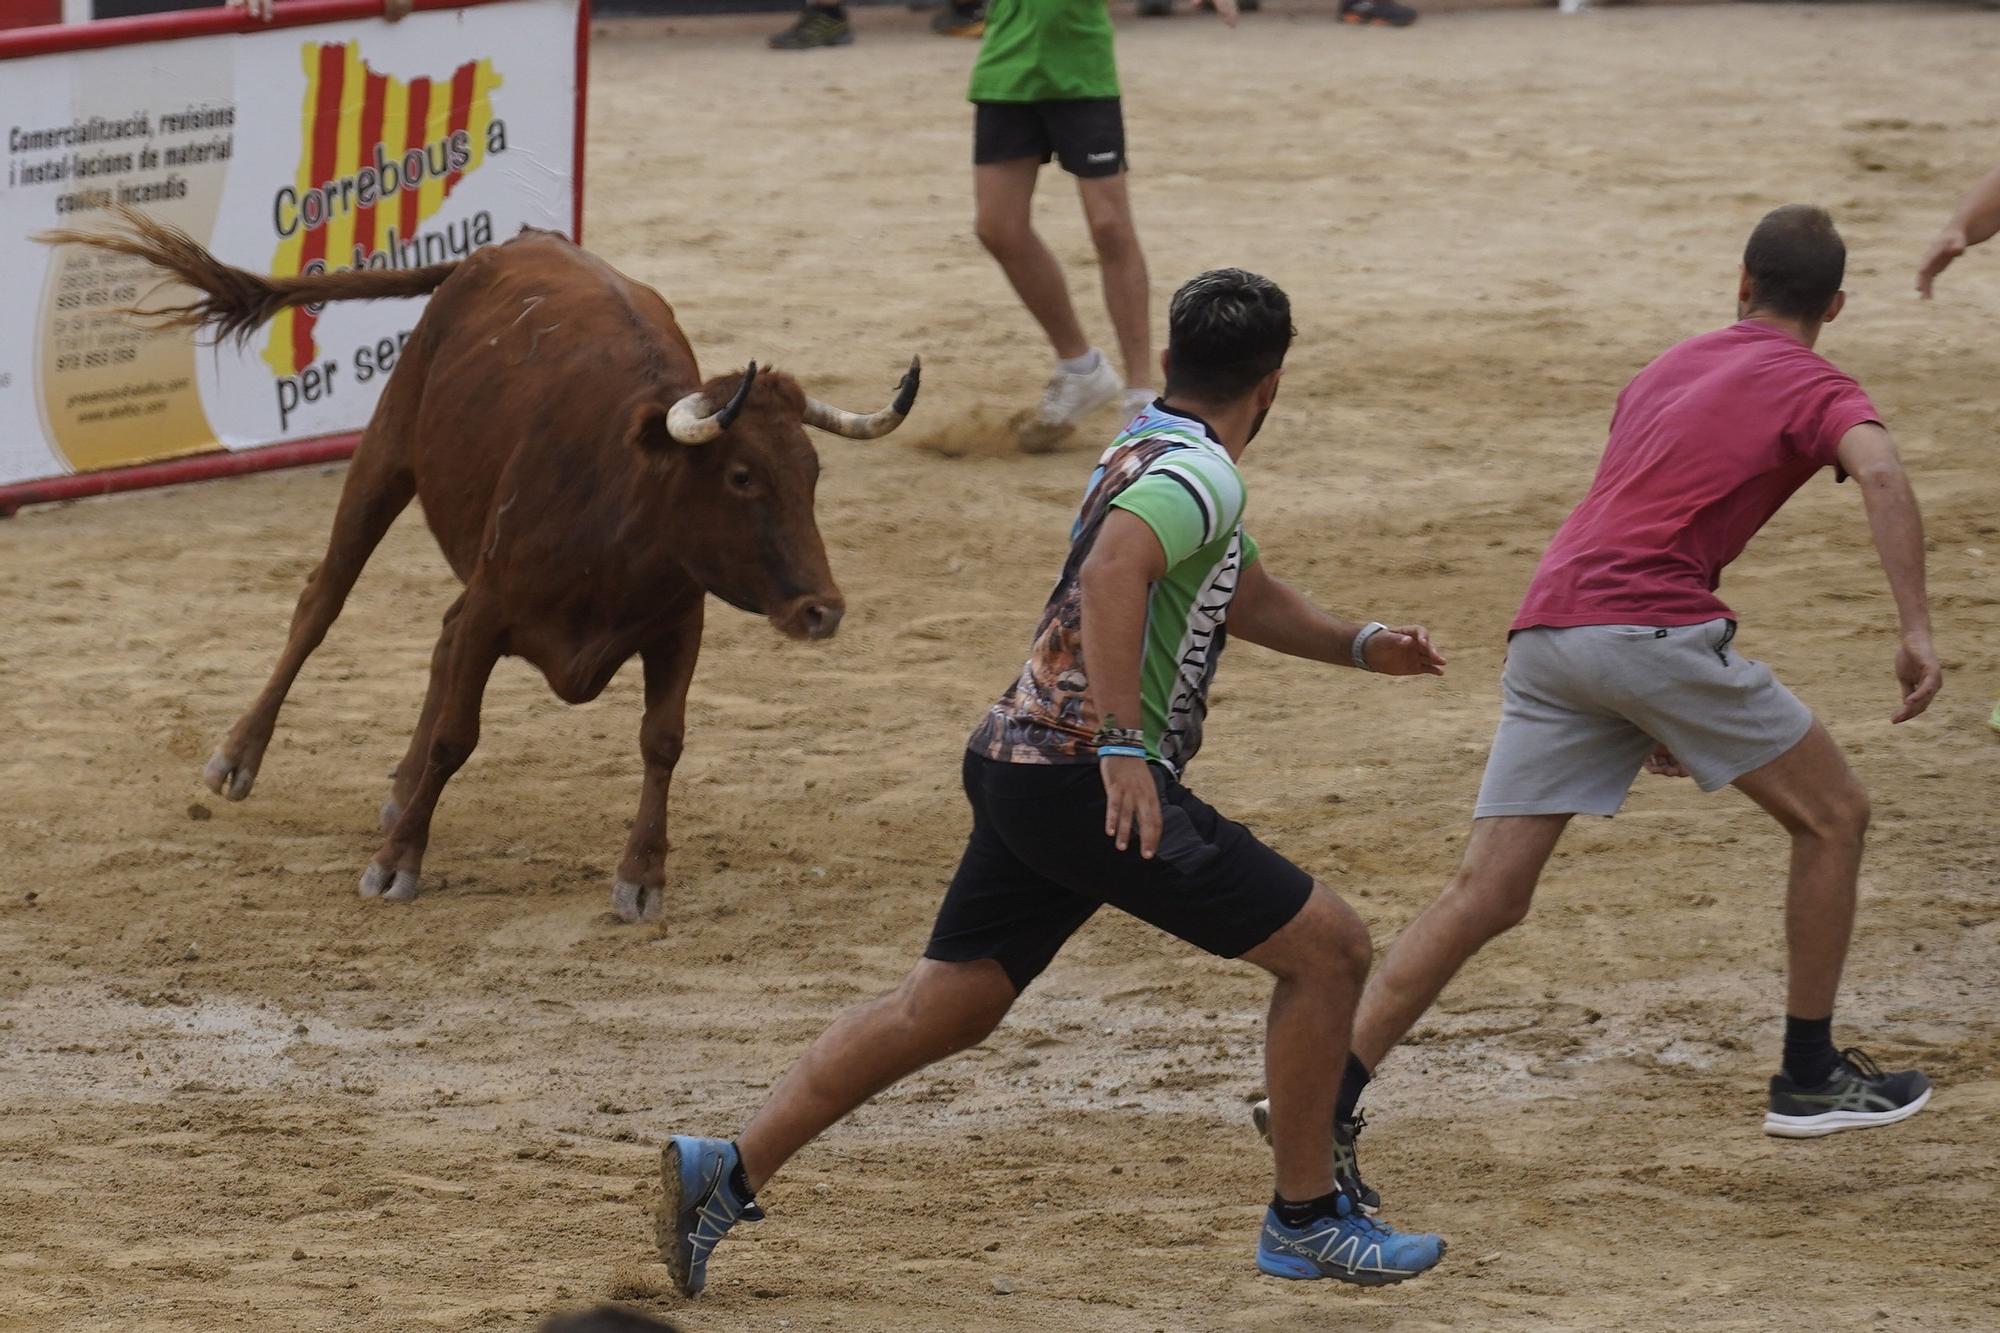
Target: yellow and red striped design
(349,112)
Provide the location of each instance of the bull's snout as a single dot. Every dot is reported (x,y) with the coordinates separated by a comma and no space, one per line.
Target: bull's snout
(814,616)
(821,619)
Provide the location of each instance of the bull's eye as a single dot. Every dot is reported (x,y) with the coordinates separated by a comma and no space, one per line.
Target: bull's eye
(740,479)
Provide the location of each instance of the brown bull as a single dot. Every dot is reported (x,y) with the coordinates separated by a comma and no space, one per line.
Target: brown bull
(585,485)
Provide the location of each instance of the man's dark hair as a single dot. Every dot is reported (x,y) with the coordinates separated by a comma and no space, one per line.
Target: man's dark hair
(1226,330)
(1795,260)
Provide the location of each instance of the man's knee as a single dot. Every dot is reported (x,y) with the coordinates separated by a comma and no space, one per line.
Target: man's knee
(1494,904)
(1842,815)
(1327,939)
(1000,235)
(953,1006)
(1113,235)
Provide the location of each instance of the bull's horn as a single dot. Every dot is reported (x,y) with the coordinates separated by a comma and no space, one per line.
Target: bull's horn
(690,422)
(876,424)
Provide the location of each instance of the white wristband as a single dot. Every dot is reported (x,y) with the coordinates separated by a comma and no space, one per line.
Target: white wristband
(1361,638)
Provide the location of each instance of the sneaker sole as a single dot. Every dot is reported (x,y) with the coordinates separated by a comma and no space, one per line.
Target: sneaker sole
(675,1252)
(1832,1122)
(1298,1268)
(1260,1116)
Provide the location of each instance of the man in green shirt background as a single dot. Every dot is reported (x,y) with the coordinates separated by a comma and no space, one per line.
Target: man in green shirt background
(1046,89)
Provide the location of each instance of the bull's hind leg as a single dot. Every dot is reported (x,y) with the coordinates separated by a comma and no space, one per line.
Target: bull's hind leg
(412,768)
(459,672)
(640,891)
(375,493)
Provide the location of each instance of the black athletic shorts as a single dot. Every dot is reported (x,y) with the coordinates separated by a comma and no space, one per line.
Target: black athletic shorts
(1087,136)
(1039,863)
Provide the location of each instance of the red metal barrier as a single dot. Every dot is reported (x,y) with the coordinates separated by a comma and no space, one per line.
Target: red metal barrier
(174,471)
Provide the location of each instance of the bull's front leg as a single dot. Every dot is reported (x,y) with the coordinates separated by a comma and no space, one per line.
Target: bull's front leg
(640,891)
(460,669)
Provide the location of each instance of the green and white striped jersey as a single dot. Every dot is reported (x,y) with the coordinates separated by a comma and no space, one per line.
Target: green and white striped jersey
(1167,469)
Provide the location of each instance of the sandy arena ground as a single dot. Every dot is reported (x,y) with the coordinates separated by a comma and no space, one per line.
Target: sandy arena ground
(234,1094)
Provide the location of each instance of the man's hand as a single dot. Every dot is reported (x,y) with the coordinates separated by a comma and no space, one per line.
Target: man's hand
(1949,245)
(1131,803)
(1226,10)
(1919,673)
(1403,651)
(256,9)
(1662,762)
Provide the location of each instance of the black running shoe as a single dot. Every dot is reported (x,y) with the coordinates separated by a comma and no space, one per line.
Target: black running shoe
(961,20)
(815,27)
(1857,1094)
(1377,13)
(1346,1166)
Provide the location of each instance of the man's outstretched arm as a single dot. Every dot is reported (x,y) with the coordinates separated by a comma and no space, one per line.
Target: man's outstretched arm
(1977,219)
(1271,613)
(1868,454)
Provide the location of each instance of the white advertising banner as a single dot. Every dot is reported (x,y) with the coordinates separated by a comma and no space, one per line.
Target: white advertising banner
(289,150)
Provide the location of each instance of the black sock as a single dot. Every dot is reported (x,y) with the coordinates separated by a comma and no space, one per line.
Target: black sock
(1353,1081)
(836,12)
(1809,1055)
(739,1182)
(1296,1215)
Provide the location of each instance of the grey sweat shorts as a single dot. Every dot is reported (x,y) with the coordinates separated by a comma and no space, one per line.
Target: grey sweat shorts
(1582,707)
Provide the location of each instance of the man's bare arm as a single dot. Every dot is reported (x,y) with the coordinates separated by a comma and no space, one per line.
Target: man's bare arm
(1977,219)
(1868,454)
(1272,614)
(1116,582)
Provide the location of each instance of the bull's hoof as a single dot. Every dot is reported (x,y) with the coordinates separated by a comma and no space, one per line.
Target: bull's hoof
(637,904)
(395,886)
(229,778)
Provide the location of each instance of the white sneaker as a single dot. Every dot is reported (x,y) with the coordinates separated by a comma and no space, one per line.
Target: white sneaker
(1137,401)
(1068,399)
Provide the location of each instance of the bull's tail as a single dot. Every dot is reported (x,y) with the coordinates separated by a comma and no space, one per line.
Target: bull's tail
(235,302)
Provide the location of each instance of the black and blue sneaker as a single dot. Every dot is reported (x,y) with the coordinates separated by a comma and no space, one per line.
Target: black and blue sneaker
(1346,1157)
(1855,1096)
(698,1206)
(1350,1247)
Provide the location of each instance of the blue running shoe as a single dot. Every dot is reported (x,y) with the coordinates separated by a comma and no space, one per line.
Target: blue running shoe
(698,1206)
(1352,1247)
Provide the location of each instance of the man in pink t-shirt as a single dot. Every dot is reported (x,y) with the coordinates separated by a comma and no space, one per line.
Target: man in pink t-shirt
(1621,657)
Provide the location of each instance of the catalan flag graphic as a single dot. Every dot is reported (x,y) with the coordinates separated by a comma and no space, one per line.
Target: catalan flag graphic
(377,157)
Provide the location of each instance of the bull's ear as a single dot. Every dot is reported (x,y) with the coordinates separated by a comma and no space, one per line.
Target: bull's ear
(646,431)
